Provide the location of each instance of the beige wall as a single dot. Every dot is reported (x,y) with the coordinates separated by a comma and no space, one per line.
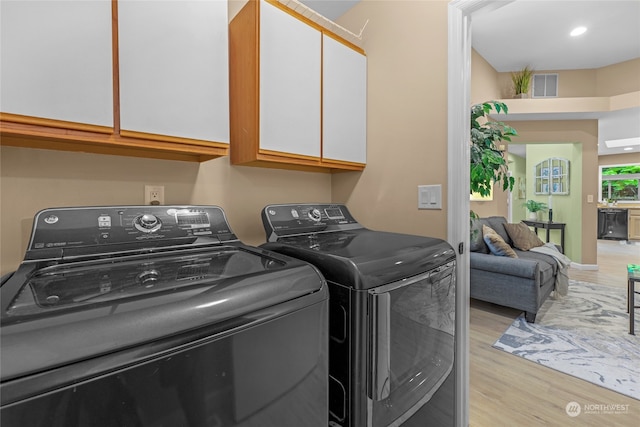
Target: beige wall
(571,83)
(485,85)
(406,47)
(619,78)
(32,179)
(619,159)
(606,81)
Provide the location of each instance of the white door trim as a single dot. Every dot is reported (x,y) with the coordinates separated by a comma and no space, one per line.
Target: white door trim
(459,103)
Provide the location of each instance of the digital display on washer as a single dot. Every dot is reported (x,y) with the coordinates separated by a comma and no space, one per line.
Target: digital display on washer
(334,213)
(192,218)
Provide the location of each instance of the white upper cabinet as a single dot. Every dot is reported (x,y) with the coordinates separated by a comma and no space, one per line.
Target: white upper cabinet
(56,60)
(290,83)
(298,92)
(174,74)
(344,103)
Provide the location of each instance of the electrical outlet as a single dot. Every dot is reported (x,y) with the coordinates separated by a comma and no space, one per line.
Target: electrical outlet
(154,195)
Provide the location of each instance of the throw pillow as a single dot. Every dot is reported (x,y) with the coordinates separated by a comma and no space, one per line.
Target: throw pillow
(496,244)
(522,236)
(476,242)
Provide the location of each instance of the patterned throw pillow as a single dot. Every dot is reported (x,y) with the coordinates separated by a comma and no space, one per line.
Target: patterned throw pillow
(522,236)
(496,244)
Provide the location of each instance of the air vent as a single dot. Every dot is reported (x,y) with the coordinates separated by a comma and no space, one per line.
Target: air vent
(545,85)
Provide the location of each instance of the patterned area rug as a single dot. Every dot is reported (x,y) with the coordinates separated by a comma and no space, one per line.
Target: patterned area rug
(585,334)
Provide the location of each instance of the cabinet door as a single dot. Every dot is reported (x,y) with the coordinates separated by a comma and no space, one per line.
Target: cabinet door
(174,68)
(344,103)
(289,83)
(56,60)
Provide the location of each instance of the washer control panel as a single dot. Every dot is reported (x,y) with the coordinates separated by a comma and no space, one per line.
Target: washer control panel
(290,219)
(91,227)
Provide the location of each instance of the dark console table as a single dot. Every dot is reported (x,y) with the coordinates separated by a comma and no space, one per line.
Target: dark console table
(548,225)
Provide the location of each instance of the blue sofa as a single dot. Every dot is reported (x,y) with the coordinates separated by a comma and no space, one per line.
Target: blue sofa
(523,283)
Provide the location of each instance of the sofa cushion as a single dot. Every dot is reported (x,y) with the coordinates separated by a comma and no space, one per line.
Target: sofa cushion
(522,236)
(518,268)
(546,264)
(497,223)
(496,243)
(476,241)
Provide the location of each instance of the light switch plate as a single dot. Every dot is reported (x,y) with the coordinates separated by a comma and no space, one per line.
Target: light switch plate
(430,196)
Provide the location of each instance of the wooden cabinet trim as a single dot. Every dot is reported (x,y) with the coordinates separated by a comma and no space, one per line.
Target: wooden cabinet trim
(277,155)
(36,136)
(173,139)
(340,164)
(244,62)
(7,118)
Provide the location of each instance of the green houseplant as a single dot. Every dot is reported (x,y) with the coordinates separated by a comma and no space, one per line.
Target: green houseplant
(534,207)
(488,164)
(521,80)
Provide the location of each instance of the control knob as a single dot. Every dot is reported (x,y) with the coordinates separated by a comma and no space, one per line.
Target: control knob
(315,214)
(147,223)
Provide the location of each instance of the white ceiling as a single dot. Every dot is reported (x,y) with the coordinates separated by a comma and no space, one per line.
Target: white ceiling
(536,33)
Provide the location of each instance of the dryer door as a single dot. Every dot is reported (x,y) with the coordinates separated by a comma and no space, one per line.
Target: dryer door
(411,330)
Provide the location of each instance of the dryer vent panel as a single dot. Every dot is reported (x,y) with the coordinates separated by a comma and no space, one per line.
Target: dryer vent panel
(545,85)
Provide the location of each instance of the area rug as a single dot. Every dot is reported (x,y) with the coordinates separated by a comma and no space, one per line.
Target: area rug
(584,334)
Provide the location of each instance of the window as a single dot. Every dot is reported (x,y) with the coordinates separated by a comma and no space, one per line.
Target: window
(620,183)
(552,176)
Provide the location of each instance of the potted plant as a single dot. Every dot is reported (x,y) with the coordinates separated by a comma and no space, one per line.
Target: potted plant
(534,207)
(488,164)
(521,80)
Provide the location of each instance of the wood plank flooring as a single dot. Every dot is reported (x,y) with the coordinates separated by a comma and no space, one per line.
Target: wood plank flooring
(506,390)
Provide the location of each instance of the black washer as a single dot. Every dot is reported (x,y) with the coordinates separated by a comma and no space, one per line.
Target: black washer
(156,316)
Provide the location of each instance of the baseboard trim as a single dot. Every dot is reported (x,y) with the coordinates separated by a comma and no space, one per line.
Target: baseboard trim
(584,266)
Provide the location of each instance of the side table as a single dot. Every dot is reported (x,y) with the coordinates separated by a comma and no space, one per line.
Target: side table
(548,225)
(633,276)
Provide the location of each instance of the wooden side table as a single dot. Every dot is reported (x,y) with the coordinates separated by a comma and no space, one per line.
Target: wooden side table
(633,276)
(548,225)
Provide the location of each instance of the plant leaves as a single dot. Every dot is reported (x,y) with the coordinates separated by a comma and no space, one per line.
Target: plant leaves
(487,162)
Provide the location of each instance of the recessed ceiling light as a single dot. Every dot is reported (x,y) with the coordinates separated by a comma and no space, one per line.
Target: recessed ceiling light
(578,31)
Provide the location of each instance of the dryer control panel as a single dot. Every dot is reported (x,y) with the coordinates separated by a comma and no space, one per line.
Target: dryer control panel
(89,230)
(288,219)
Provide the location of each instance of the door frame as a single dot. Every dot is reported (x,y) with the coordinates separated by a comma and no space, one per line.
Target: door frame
(460,14)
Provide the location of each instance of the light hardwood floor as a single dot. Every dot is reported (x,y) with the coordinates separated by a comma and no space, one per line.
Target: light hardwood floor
(506,390)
